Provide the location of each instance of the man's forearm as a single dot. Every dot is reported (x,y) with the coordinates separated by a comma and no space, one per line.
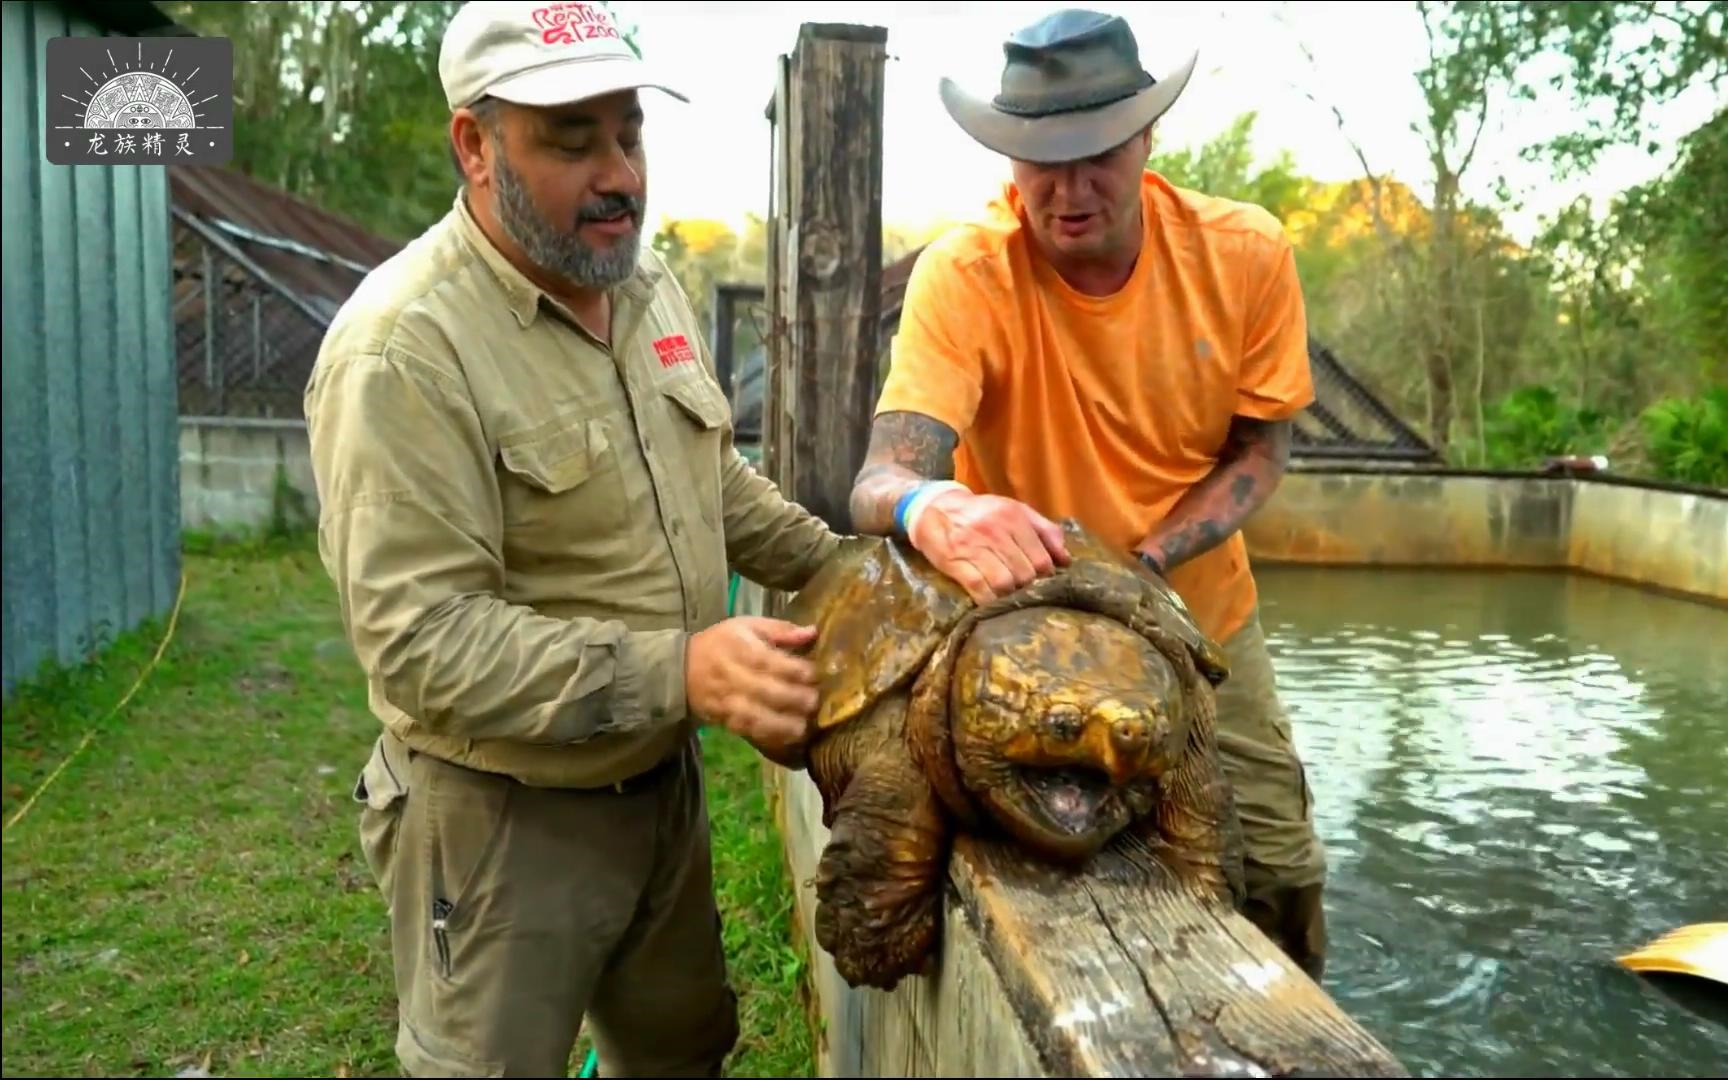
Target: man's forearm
(418,597)
(905,450)
(1247,472)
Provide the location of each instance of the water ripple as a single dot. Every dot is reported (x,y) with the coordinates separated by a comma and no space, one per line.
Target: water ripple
(1517,777)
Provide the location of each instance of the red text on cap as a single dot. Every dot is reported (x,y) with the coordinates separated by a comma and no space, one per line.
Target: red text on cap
(566,24)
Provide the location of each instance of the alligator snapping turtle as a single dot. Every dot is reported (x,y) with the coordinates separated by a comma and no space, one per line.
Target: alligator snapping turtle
(1074,711)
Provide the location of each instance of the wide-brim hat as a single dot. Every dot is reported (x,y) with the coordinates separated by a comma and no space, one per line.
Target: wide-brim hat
(1072,87)
(541,53)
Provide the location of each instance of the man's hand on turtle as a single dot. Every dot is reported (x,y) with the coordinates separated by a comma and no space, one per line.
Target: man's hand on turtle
(743,674)
(990,545)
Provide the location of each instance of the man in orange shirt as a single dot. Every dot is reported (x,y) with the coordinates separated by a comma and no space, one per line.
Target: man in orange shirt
(1106,346)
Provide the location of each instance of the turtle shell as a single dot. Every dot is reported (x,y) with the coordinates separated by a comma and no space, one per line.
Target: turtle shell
(1161,601)
(879,610)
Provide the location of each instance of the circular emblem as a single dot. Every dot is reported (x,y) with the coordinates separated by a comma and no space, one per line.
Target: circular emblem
(139,99)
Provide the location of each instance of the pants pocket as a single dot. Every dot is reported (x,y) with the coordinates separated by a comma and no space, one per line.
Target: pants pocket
(380,790)
(464,825)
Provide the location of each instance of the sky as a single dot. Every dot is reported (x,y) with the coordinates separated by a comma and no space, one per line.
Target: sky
(709,158)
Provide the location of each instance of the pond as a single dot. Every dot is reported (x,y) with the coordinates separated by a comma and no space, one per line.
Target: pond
(1518,777)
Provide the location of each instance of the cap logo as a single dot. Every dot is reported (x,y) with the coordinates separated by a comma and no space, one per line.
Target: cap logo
(566,24)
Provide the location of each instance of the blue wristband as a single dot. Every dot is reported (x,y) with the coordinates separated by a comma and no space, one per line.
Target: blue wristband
(902,505)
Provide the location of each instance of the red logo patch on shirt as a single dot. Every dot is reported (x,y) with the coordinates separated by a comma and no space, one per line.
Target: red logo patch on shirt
(674,350)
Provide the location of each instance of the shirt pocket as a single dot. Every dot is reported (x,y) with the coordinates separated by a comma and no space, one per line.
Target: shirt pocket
(561,489)
(696,414)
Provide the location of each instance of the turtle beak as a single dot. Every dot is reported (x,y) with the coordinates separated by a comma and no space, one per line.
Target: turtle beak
(1121,739)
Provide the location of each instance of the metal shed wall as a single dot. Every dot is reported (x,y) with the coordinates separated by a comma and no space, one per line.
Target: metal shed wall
(91,479)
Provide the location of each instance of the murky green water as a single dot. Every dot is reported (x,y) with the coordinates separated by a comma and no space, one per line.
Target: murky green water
(1518,776)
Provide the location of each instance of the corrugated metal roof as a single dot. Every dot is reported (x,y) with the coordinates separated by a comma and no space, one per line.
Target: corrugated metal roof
(316,255)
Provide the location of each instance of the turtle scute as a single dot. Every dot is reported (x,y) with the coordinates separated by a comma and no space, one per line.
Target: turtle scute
(1063,716)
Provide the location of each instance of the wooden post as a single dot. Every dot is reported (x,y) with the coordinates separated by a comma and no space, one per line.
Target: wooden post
(824,264)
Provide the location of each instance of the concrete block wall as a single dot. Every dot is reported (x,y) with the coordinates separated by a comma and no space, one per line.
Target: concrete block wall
(243,473)
(240,473)
(1667,538)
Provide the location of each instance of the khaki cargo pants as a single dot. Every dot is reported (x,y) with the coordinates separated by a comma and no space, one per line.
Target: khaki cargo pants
(519,913)
(1286,863)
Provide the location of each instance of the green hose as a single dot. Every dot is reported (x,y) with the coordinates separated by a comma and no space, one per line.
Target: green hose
(591,1066)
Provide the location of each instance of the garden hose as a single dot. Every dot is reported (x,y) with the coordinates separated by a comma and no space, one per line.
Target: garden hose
(591,1065)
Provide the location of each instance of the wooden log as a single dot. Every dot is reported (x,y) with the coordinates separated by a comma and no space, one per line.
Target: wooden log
(1112,970)
(1118,970)
(824,264)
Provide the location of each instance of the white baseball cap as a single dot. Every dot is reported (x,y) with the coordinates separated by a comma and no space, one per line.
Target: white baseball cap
(539,53)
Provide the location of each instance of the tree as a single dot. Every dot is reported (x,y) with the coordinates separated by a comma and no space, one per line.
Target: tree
(1608,64)
(1225,166)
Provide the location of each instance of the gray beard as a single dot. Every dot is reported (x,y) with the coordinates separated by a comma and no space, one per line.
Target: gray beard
(561,251)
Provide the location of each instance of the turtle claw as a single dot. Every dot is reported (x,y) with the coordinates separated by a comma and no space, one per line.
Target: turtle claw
(875,947)
(878,884)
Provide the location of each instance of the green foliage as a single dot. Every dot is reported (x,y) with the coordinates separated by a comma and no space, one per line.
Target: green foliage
(1444,313)
(1608,64)
(1691,237)
(1226,167)
(1532,424)
(1687,438)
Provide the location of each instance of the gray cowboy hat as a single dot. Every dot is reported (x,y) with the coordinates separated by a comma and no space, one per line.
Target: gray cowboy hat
(1072,87)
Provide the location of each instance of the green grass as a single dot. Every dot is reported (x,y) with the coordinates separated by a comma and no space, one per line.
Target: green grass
(188,890)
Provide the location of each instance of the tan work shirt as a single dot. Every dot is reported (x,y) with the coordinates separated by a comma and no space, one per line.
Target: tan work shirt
(524,524)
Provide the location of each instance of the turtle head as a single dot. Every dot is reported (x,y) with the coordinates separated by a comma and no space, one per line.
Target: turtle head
(1062,722)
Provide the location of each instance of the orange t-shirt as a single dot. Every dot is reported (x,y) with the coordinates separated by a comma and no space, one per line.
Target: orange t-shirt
(1108,409)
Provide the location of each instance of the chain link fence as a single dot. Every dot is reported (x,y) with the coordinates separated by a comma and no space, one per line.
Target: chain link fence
(244,349)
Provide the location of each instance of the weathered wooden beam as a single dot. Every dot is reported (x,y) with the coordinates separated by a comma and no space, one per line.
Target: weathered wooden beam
(824,264)
(1120,970)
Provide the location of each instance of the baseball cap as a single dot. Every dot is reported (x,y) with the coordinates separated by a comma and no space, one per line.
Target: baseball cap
(539,53)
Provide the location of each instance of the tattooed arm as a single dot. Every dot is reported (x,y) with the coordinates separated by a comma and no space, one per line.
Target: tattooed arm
(1249,468)
(1274,382)
(906,448)
(991,545)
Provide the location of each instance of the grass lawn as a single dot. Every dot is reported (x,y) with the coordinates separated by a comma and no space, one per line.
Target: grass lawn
(188,892)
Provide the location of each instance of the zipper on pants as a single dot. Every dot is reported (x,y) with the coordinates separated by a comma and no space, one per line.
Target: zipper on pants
(441,910)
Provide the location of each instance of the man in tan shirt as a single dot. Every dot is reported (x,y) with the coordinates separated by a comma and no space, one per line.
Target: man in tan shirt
(530,502)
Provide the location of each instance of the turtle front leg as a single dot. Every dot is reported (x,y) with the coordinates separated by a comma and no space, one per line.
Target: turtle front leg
(1194,827)
(879,883)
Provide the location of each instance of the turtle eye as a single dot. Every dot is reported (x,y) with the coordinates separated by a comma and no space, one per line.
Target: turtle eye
(1064,722)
